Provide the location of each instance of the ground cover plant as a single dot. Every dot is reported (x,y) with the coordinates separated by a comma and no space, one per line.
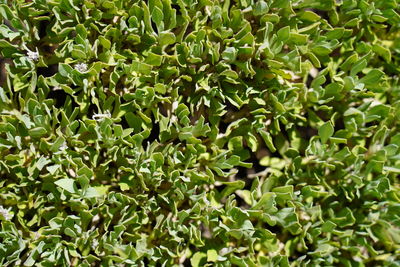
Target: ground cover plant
(199,133)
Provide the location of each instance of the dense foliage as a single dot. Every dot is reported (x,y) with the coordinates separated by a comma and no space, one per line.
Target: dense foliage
(200,132)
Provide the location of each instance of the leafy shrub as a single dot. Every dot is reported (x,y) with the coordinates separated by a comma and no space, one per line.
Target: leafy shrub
(210,133)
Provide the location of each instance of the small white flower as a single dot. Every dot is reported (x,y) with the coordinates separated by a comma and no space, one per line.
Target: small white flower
(220,135)
(63,147)
(81,67)
(6,213)
(224,251)
(95,244)
(95,219)
(57,88)
(72,172)
(36,236)
(101,116)
(34,56)
(175,105)
(304,216)
(173,119)
(313,72)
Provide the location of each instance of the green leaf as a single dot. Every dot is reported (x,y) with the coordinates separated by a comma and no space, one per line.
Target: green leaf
(344,218)
(231,187)
(37,132)
(268,140)
(141,67)
(321,50)
(166,38)
(358,66)
(267,202)
(104,42)
(373,77)
(65,70)
(154,59)
(325,131)
(310,16)
(229,54)
(96,191)
(6,12)
(383,52)
(67,184)
(260,8)
(198,259)
(298,38)
(283,33)
(157,15)
(81,31)
(203,133)
(212,255)
(336,33)
(391,169)
(328,226)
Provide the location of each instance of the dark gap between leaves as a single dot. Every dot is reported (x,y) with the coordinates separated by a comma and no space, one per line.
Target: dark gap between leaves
(92,110)
(43,27)
(3,71)
(47,72)
(177,8)
(307,132)
(154,134)
(59,97)
(124,123)
(322,13)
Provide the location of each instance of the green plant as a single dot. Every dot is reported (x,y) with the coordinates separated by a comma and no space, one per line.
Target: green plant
(210,133)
